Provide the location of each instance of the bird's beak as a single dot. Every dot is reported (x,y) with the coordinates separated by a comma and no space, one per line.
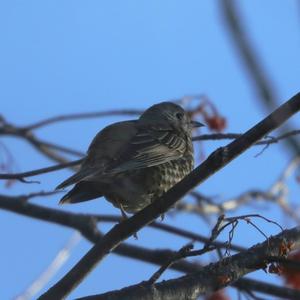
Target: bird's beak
(195,124)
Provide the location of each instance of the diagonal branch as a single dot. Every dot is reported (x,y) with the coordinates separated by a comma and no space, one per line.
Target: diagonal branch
(217,160)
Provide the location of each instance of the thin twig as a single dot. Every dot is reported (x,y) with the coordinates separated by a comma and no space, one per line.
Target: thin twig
(21,176)
(246,217)
(184,252)
(268,140)
(63,149)
(80,116)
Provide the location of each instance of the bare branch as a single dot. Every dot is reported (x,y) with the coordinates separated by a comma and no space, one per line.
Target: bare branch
(221,274)
(182,253)
(48,149)
(277,194)
(268,140)
(81,116)
(246,218)
(207,208)
(254,66)
(20,176)
(86,223)
(186,251)
(60,148)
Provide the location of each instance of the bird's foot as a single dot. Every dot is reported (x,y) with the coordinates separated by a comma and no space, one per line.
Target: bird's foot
(125,217)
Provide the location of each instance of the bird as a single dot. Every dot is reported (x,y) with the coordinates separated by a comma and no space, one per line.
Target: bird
(132,163)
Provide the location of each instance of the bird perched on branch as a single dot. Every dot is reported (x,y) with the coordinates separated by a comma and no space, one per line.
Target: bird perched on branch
(132,163)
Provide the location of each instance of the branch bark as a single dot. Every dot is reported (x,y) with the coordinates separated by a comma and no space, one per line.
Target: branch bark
(221,274)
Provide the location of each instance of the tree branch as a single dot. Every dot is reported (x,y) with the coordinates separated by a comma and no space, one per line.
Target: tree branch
(87,223)
(21,176)
(80,116)
(221,274)
(253,64)
(50,150)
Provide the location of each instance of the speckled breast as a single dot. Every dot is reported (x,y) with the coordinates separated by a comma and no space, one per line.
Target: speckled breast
(136,189)
(168,174)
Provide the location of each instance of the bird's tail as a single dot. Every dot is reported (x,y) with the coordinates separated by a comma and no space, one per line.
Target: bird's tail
(82,191)
(74,179)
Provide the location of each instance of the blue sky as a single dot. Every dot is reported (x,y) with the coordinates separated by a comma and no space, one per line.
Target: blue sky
(61,57)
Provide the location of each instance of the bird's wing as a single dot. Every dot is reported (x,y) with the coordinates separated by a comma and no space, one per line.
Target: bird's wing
(106,145)
(149,147)
(127,146)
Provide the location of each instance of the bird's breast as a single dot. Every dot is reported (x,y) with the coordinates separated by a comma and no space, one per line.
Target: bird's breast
(136,189)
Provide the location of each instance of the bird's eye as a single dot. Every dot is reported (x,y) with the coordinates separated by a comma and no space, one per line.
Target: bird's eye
(179,116)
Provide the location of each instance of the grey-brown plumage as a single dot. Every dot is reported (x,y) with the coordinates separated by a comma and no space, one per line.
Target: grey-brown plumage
(134,162)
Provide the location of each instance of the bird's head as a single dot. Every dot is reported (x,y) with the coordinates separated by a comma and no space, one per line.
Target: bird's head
(168,114)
